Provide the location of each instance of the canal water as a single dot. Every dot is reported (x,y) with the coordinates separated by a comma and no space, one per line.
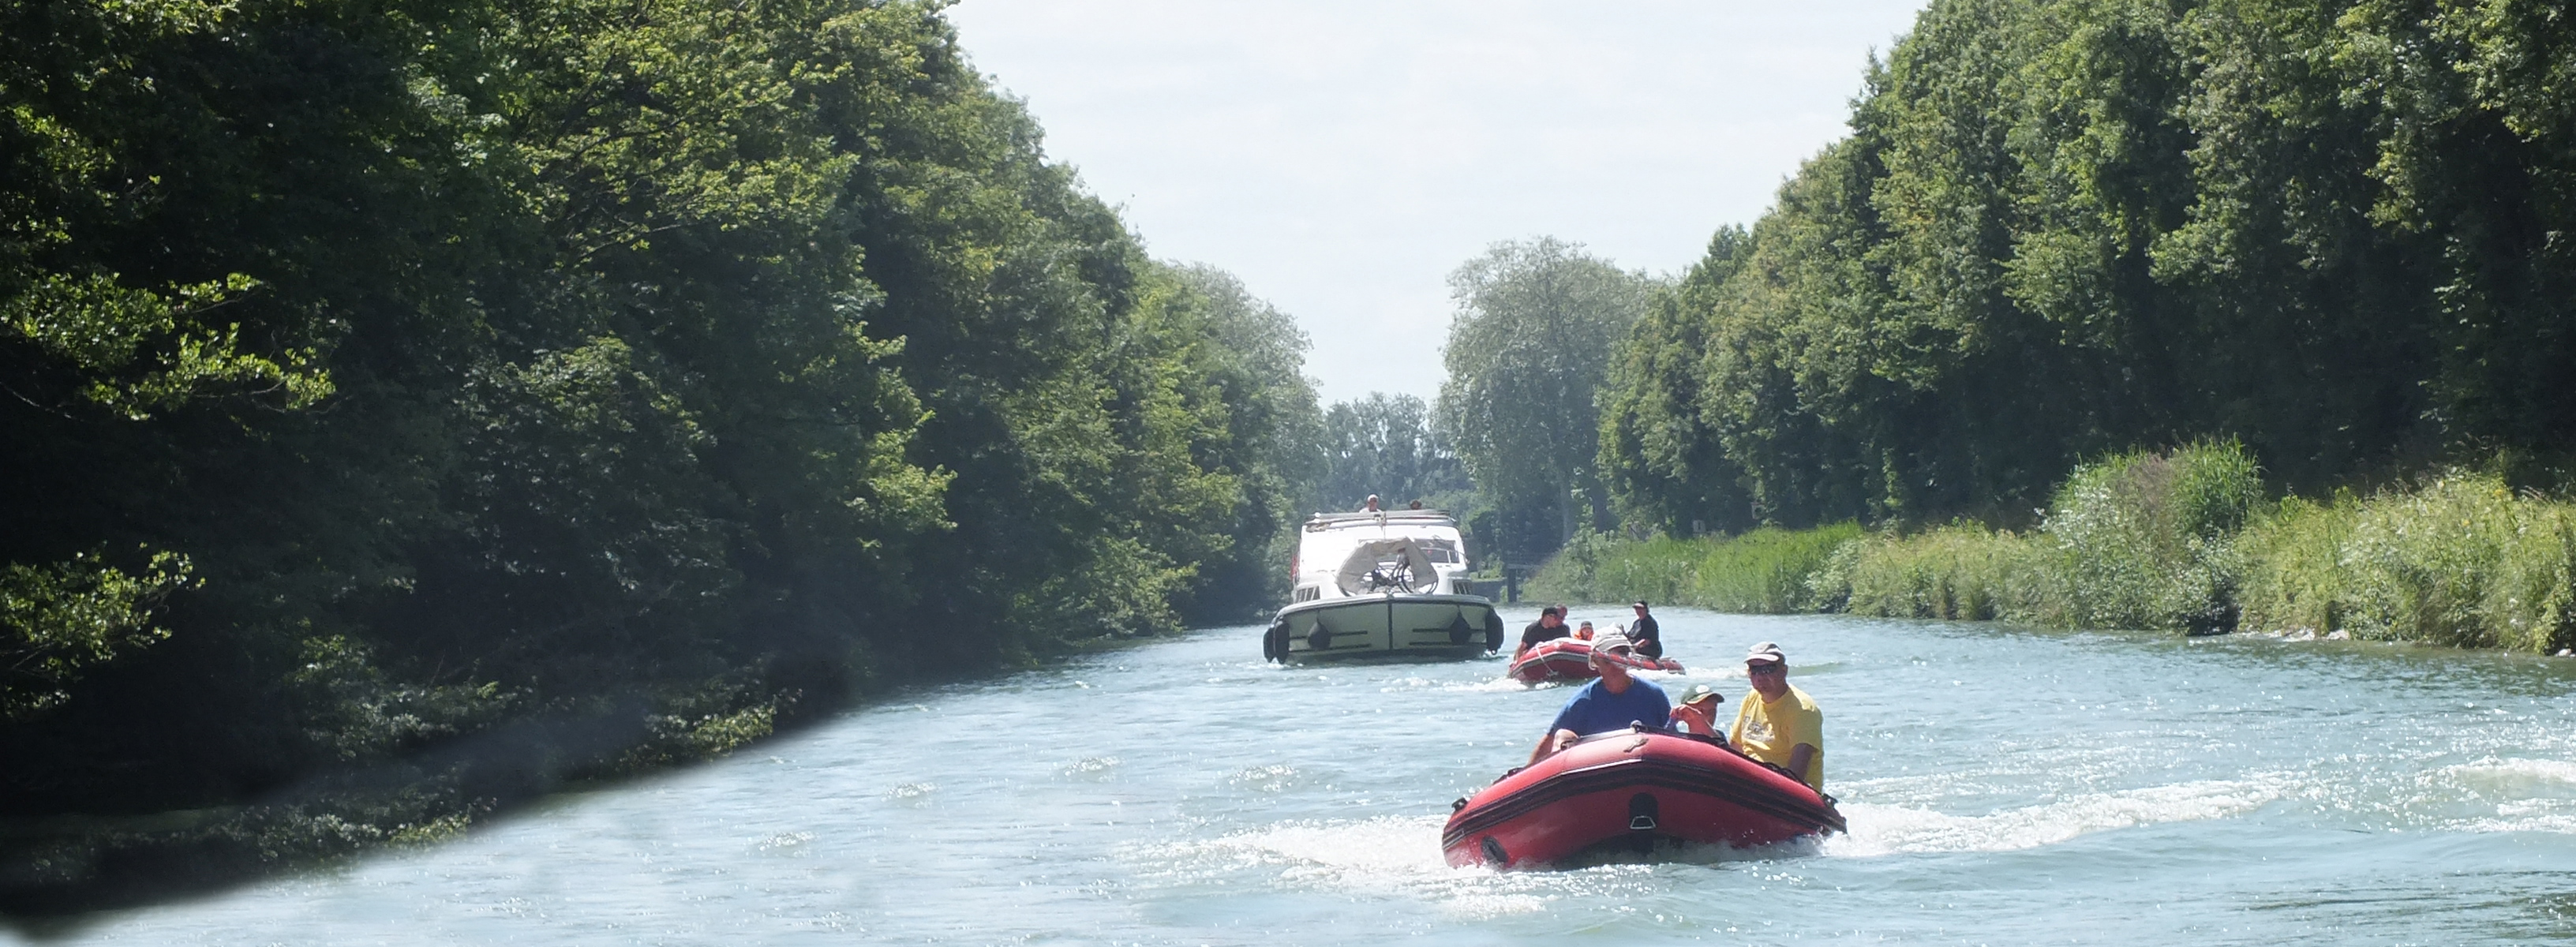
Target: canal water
(2003,785)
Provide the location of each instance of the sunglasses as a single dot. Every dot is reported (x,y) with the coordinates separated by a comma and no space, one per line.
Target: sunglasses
(1773,668)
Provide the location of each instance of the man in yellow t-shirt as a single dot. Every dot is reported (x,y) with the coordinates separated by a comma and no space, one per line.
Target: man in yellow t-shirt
(1779,724)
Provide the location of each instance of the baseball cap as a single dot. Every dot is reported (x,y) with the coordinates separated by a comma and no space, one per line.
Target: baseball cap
(1612,641)
(1765,653)
(1700,692)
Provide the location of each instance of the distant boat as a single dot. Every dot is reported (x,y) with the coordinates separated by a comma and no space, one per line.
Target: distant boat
(1570,659)
(1381,584)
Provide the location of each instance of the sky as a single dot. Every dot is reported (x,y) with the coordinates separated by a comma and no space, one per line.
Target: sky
(1342,159)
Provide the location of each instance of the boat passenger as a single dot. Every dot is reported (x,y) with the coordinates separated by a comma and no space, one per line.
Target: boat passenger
(1415,505)
(1696,712)
(1549,627)
(1584,633)
(1614,701)
(1779,724)
(1648,635)
(1370,506)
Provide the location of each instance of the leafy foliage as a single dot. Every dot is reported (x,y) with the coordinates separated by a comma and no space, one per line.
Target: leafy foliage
(1387,446)
(1761,572)
(65,616)
(2462,561)
(2136,540)
(2178,541)
(638,367)
(2064,228)
(1536,323)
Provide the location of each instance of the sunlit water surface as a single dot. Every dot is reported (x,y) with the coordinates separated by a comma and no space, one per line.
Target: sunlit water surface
(2004,786)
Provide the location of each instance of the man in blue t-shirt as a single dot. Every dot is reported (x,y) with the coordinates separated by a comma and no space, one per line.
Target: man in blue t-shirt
(1611,703)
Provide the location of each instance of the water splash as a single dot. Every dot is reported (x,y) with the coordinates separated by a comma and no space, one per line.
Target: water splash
(1883,830)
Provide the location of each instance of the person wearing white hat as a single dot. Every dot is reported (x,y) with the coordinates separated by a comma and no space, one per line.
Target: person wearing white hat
(1616,700)
(1779,724)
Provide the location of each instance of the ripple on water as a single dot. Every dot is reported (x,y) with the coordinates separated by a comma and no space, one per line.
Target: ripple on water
(783,843)
(1495,685)
(2529,795)
(1400,857)
(1882,830)
(1375,857)
(1305,806)
(1091,768)
(2517,776)
(1276,778)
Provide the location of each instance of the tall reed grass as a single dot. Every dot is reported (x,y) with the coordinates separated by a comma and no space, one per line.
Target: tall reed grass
(2181,540)
(2137,540)
(1764,571)
(1958,571)
(2461,560)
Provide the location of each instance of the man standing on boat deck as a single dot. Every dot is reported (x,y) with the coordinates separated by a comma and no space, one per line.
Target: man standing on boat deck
(1613,702)
(1549,627)
(1779,724)
(1648,635)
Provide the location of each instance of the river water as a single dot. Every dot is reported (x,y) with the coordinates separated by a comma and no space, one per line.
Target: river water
(2003,785)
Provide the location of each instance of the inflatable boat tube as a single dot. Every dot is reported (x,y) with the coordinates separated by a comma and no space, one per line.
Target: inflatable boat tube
(1570,659)
(1632,788)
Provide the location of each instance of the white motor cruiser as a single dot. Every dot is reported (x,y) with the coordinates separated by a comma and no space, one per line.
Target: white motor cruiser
(1390,583)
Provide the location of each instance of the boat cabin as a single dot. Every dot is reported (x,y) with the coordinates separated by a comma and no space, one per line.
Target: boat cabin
(1344,555)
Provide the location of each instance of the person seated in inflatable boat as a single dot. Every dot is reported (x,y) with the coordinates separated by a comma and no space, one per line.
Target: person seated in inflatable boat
(1549,627)
(1779,724)
(1696,712)
(1612,702)
(1646,632)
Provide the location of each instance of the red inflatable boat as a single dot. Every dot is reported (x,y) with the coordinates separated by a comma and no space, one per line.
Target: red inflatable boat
(1633,788)
(1570,659)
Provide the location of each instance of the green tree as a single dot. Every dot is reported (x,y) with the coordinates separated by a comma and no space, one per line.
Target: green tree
(1663,462)
(1536,325)
(1385,445)
(380,372)
(2069,228)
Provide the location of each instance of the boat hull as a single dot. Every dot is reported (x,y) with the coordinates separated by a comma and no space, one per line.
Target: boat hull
(1570,659)
(1384,626)
(1633,788)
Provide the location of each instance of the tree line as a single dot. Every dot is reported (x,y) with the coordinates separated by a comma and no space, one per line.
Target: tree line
(1509,443)
(2058,231)
(2061,229)
(378,373)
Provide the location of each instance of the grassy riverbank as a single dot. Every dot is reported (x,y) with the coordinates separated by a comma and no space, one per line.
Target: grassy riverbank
(2182,540)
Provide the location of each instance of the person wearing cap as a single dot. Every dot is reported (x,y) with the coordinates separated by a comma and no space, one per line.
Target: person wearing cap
(1613,702)
(1696,711)
(1370,506)
(1779,724)
(1648,635)
(1583,632)
(1549,627)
